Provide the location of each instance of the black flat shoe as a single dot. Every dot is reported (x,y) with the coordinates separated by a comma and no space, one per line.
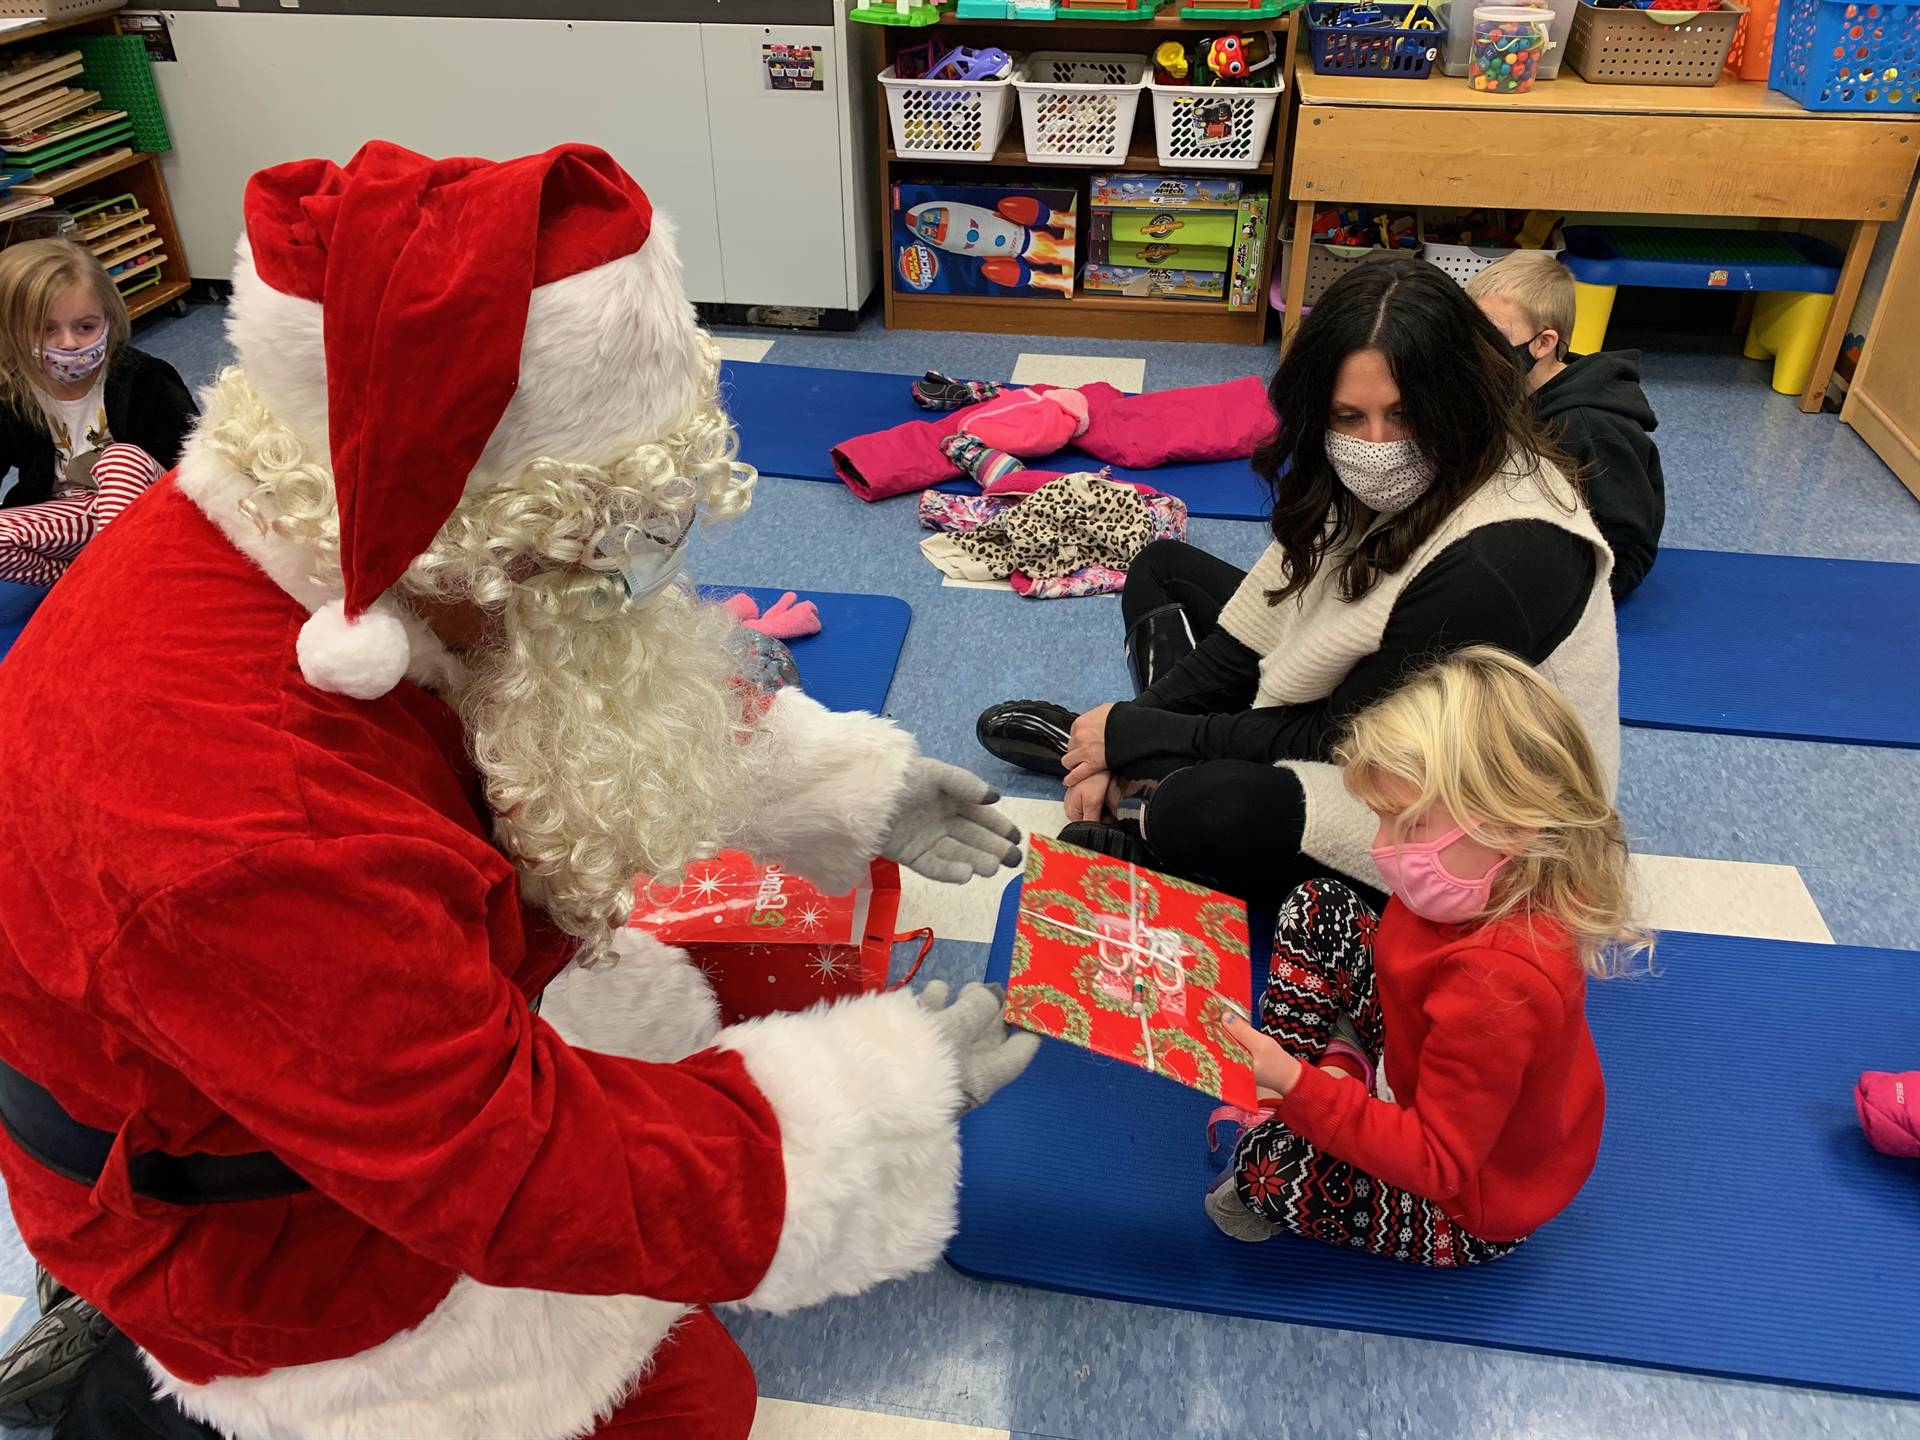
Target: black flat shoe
(1032,734)
(1117,842)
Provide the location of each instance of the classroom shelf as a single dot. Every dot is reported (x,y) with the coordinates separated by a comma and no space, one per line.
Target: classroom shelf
(1110,317)
(165,293)
(121,166)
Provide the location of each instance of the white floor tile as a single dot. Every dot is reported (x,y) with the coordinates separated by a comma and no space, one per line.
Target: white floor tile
(9,1307)
(736,347)
(1728,897)
(953,584)
(790,1420)
(1122,374)
(968,912)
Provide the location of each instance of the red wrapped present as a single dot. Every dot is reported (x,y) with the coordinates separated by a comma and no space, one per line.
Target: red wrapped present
(768,940)
(1135,966)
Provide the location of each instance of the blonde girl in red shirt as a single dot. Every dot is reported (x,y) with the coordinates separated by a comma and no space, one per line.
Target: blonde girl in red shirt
(1430,1088)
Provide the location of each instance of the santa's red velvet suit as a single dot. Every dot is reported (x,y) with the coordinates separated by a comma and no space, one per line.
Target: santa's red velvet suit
(244,912)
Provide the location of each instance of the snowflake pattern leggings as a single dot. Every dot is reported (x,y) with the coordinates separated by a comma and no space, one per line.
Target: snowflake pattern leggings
(38,542)
(1322,969)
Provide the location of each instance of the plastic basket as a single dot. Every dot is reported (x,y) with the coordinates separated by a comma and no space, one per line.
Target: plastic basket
(1325,265)
(1078,109)
(1212,129)
(1843,55)
(1652,47)
(1403,51)
(948,119)
(1463,262)
(1751,57)
(56,9)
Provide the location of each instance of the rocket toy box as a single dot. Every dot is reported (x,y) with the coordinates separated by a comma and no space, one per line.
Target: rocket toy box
(982,240)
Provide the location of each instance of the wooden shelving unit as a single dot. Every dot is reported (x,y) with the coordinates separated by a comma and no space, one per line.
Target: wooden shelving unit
(1099,316)
(137,174)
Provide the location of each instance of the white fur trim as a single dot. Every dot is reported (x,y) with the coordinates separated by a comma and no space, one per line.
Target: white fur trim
(609,361)
(487,1363)
(868,1099)
(842,777)
(217,489)
(651,1003)
(364,658)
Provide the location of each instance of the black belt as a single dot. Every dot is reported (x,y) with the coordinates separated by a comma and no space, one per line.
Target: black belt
(42,1128)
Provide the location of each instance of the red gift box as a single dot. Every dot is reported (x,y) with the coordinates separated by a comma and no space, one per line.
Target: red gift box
(1133,965)
(768,940)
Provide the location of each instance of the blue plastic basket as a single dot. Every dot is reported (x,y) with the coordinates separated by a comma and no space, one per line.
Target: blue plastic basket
(1395,50)
(1847,54)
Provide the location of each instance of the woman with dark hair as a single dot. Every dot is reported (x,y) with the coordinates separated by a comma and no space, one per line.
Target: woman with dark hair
(1417,510)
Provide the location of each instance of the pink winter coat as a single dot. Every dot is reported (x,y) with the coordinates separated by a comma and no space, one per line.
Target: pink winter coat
(1139,432)
(1889,1107)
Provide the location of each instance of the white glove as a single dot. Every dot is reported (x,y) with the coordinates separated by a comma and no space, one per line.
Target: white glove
(946,827)
(987,1054)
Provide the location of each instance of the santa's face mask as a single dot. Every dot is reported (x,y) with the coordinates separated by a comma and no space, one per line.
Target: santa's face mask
(649,551)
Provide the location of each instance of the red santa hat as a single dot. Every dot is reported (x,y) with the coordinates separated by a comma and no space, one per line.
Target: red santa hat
(424,271)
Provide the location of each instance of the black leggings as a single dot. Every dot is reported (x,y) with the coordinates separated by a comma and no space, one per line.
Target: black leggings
(1233,824)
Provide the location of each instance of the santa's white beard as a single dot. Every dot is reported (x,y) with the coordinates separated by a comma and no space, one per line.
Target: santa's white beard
(612,740)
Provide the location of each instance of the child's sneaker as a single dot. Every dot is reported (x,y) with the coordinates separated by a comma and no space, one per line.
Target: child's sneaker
(939,392)
(1236,1221)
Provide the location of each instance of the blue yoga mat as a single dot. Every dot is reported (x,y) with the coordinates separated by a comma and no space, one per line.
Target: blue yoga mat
(1737,1222)
(1773,645)
(17,604)
(849,665)
(791,416)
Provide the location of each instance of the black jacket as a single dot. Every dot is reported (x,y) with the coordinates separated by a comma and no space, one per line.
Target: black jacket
(1519,584)
(1600,415)
(148,405)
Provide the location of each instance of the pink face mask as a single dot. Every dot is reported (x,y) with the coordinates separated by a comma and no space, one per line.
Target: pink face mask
(1415,873)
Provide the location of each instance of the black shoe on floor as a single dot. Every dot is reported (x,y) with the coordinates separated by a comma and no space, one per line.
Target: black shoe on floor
(47,1290)
(1029,733)
(39,1375)
(1117,842)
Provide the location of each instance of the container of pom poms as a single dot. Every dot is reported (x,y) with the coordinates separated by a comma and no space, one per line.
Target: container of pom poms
(1508,41)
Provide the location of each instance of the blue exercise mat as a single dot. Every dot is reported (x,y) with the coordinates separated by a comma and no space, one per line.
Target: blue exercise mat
(791,416)
(1737,1222)
(1773,645)
(17,604)
(849,665)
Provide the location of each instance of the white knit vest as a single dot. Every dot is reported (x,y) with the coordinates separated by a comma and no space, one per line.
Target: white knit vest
(1310,641)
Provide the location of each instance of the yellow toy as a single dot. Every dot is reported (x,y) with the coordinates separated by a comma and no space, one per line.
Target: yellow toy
(1170,63)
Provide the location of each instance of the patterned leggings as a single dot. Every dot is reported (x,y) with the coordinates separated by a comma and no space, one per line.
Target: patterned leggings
(38,542)
(1322,969)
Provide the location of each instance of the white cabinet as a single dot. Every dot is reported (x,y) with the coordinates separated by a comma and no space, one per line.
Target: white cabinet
(766,187)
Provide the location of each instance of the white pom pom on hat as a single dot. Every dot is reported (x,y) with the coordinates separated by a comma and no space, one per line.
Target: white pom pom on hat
(364,658)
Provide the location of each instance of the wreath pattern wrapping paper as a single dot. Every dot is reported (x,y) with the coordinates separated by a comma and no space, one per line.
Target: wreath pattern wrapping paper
(1133,965)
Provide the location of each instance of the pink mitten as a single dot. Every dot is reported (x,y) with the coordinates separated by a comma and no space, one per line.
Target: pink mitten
(742,606)
(788,618)
(1889,1107)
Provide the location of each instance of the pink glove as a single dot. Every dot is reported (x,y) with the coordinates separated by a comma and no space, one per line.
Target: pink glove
(1889,1107)
(787,618)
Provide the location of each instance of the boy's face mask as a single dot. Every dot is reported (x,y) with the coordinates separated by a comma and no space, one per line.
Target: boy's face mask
(1523,355)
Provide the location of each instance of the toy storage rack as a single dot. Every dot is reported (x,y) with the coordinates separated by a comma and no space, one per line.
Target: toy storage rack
(138,173)
(1114,317)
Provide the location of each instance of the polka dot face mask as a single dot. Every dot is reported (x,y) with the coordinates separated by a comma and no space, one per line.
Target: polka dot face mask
(1386,476)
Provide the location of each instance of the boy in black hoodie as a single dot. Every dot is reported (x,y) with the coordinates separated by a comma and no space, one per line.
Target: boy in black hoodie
(1592,404)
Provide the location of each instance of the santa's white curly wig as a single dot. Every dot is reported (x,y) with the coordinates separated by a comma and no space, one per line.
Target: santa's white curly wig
(609,735)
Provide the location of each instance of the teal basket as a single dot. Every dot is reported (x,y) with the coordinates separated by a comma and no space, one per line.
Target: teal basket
(1846,55)
(117,66)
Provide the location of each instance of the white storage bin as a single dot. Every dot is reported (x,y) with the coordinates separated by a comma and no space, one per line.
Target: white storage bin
(1325,265)
(948,119)
(1463,262)
(1078,109)
(1460,36)
(1212,129)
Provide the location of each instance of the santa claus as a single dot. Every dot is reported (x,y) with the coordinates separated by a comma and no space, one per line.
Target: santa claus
(276,1096)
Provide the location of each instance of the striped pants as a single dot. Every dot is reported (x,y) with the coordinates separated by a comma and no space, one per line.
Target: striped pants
(38,542)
